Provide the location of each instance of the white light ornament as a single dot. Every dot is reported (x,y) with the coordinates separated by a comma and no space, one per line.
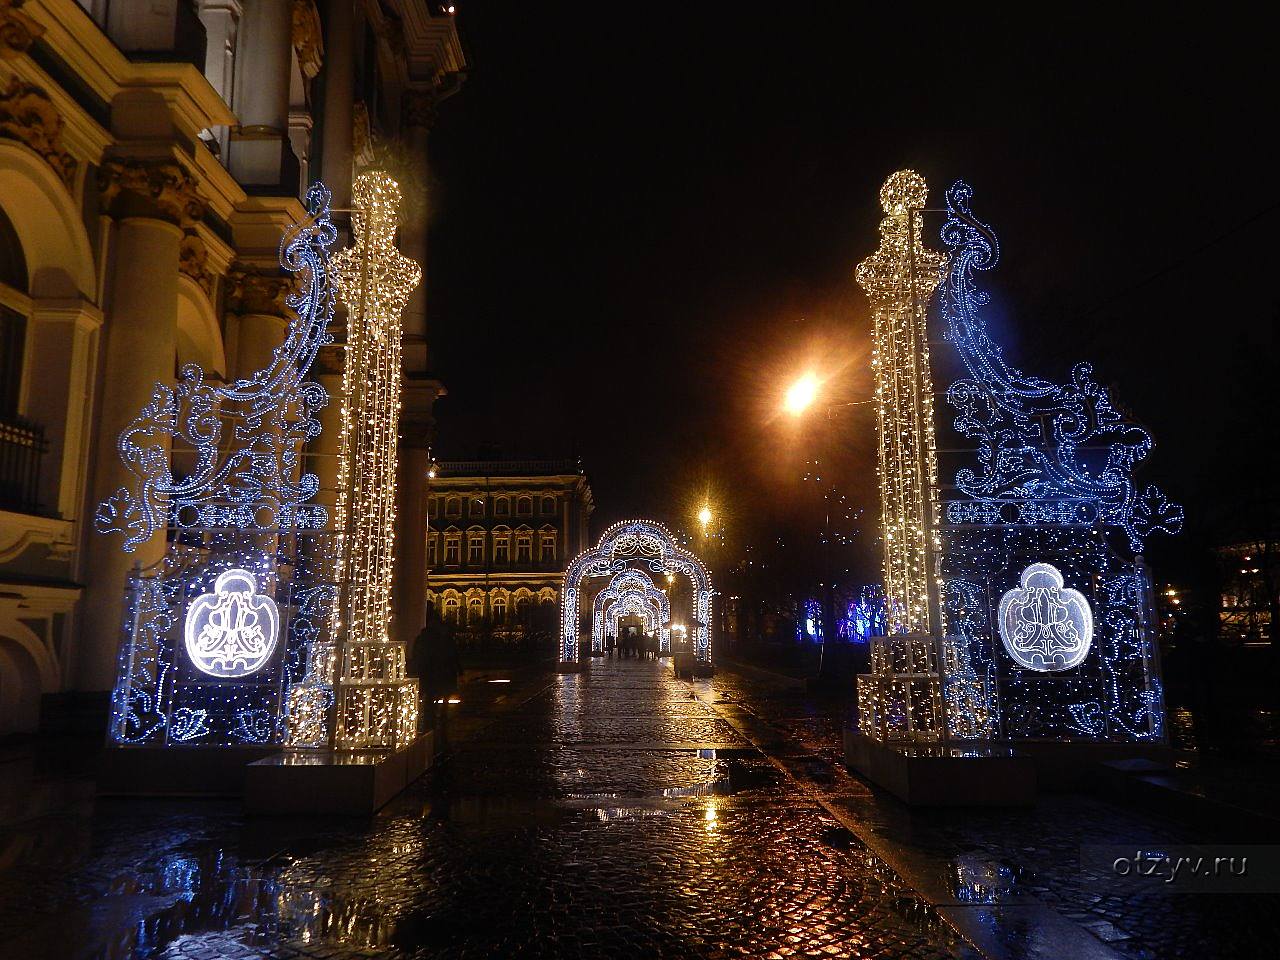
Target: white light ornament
(232,632)
(1045,625)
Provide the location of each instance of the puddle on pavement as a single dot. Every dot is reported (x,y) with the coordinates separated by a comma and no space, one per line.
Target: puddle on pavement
(207,902)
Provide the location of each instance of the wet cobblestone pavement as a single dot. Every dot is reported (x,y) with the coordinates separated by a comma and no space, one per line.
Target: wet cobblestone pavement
(995,868)
(609,814)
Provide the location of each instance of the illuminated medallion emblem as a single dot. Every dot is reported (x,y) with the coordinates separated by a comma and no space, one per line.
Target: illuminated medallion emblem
(232,631)
(1044,625)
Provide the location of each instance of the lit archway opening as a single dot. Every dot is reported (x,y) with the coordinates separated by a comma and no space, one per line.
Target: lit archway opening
(630,583)
(649,545)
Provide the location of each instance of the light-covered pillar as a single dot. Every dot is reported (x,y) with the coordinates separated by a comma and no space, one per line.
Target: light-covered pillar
(140,340)
(259,153)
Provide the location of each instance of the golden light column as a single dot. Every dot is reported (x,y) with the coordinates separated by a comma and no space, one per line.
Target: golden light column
(900,277)
(376,704)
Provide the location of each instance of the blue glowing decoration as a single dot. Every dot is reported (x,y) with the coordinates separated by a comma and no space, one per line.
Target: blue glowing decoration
(227,638)
(1041,557)
(1033,436)
(232,631)
(645,542)
(1044,624)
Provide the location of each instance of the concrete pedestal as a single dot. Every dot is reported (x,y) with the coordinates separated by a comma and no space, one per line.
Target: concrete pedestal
(176,771)
(570,666)
(345,782)
(957,775)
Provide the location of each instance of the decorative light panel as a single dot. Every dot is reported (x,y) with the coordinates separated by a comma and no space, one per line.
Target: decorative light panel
(1044,624)
(227,638)
(1043,545)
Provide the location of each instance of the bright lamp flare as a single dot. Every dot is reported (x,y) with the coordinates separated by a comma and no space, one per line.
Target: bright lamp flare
(704,516)
(801,394)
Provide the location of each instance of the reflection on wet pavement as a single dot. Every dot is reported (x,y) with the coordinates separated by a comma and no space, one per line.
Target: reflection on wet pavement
(612,814)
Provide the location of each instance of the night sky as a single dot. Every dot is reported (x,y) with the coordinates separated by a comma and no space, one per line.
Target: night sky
(645,225)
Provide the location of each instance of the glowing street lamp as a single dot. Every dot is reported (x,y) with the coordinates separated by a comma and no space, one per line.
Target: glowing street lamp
(704,518)
(801,394)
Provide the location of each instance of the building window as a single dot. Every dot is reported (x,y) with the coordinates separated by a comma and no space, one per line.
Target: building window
(475,609)
(433,507)
(432,546)
(502,507)
(547,546)
(451,608)
(524,506)
(453,507)
(548,506)
(452,549)
(475,548)
(500,609)
(524,548)
(501,548)
(522,606)
(477,507)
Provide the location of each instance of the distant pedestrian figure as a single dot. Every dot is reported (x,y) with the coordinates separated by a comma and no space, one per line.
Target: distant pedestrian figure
(434,662)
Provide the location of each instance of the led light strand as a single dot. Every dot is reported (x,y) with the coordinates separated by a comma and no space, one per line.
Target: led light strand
(631,582)
(377,702)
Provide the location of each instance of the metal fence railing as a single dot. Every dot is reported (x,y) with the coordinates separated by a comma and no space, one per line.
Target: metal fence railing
(22,446)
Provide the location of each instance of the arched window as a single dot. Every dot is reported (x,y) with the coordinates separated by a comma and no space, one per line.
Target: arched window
(475,608)
(499,603)
(475,547)
(548,505)
(453,507)
(502,545)
(476,507)
(547,545)
(502,507)
(524,599)
(451,608)
(524,506)
(15,309)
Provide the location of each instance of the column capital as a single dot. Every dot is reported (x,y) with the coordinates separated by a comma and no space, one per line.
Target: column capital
(308,38)
(17,31)
(158,188)
(251,290)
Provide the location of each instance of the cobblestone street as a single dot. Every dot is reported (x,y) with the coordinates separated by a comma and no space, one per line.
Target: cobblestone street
(608,814)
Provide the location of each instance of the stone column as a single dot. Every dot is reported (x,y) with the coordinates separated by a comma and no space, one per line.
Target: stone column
(420,392)
(339,99)
(260,152)
(140,345)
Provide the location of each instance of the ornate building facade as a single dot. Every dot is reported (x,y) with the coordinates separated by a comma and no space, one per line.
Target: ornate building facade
(151,154)
(501,534)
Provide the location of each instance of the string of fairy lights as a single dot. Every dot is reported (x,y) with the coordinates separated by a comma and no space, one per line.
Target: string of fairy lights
(900,277)
(376,703)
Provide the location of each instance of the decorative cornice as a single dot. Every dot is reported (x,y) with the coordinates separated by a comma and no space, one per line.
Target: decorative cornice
(164,189)
(29,116)
(17,30)
(251,290)
(308,38)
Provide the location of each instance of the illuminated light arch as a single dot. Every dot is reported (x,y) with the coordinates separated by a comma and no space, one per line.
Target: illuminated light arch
(626,584)
(635,541)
